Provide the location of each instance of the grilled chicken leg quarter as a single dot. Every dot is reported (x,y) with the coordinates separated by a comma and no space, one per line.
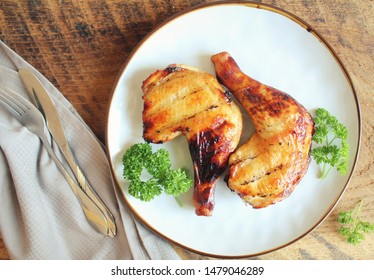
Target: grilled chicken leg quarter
(266,168)
(185,100)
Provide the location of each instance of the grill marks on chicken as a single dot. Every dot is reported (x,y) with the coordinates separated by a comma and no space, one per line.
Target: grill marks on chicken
(266,168)
(181,99)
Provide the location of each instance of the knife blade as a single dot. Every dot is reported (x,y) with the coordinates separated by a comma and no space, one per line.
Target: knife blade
(45,104)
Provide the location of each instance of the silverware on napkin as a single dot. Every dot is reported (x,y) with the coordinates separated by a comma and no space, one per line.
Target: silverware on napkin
(31,118)
(44,103)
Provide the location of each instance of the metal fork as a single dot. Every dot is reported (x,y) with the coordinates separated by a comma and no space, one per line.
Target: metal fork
(31,118)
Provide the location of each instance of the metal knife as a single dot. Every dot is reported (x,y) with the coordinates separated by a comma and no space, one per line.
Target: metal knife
(43,101)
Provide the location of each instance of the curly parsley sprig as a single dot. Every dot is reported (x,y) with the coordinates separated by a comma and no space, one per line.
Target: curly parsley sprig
(328,132)
(163,179)
(353,228)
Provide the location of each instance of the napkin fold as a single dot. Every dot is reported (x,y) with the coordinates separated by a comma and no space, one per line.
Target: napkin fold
(40,217)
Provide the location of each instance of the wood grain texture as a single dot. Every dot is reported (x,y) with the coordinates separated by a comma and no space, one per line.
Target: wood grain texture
(80,46)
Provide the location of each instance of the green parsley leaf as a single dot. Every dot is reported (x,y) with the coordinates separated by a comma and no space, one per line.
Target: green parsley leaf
(353,228)
(367,227)
(144,191)
(345,217)
(176,182)
(332,148)
(159,163)
(133,160)
(163,179)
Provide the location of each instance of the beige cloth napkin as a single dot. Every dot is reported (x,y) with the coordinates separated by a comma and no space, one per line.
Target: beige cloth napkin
(40,218)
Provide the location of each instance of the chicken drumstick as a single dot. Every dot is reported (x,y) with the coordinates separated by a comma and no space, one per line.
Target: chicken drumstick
(266,168)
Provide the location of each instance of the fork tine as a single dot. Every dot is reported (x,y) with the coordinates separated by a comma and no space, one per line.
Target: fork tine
(9,104)
(15,98)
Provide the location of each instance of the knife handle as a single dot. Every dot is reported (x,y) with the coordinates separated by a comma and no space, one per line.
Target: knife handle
(90,192)
(94,215)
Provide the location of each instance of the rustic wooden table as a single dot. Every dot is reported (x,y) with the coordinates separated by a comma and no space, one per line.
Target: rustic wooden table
(80,46)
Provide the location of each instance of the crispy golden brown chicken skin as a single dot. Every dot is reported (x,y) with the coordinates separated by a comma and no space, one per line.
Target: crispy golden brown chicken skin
(266,168)
(185,100)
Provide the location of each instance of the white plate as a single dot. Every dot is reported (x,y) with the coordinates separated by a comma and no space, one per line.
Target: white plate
(273,47)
